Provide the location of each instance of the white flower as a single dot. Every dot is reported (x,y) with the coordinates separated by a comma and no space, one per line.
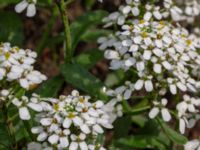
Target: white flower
(23,105)
(60,119)
(160,107)
(146,83)
(31,10)
(192,145)
(78,142)
(17,65)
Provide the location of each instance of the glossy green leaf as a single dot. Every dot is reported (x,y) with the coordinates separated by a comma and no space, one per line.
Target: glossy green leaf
(80,78)
(92,35)
(11,28)
(83,23)
(122,126)
(114,78)
(6,2)
(173,135)
(89,58)
(51,87)
(141,142)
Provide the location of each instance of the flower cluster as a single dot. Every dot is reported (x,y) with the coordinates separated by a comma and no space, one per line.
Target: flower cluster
(29,4)
(175,10)
(190,9)
(154,49)
(163,56)
(68,122)
(16,66)
(188,112)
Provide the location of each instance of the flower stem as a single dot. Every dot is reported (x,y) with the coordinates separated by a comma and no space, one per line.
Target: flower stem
(45,36)
(9,127)
(68,43)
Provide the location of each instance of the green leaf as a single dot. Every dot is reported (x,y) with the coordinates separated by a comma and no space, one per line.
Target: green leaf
(139,120)
(83,23)
(4,137)
(92,35)
(80,78)
(51,87)
(89,58)
(5,140)
(151,128)
(89,4)
(122,126)
(6,2)
(114,78)
(11,28)
(141,142)
(138,141)
(173,135)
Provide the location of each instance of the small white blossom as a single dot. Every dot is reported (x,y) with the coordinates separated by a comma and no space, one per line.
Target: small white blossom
(192,145)
(160,107)
(29,4)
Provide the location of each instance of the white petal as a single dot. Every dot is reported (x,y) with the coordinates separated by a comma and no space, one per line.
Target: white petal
(165,115)
(135,11)
(157,68)
(73,146)
(21,6)
(157,15)
(181,86)
(42,136)
(34,146)
(85,129)
(159,43)
(130,62)
(147,54)
(126,9)
(67,123)
(16,102)
(139,84)
(53,139)
(147,16)
(110,54)
(127,94)
(24,83)
(83,146)
(148,85)
(35,107)
(140,66)
(78,121)
(31,10)
(153,113)
(98,129)
(182,126)
(191,145)
(37,130)
(121,20)
(167,65)
(24,113)
(46,121)
(64,142)
(173,89)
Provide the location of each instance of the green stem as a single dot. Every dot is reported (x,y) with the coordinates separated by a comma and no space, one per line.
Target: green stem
(68,42)
(45,36)
(9,127)
(138,110)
